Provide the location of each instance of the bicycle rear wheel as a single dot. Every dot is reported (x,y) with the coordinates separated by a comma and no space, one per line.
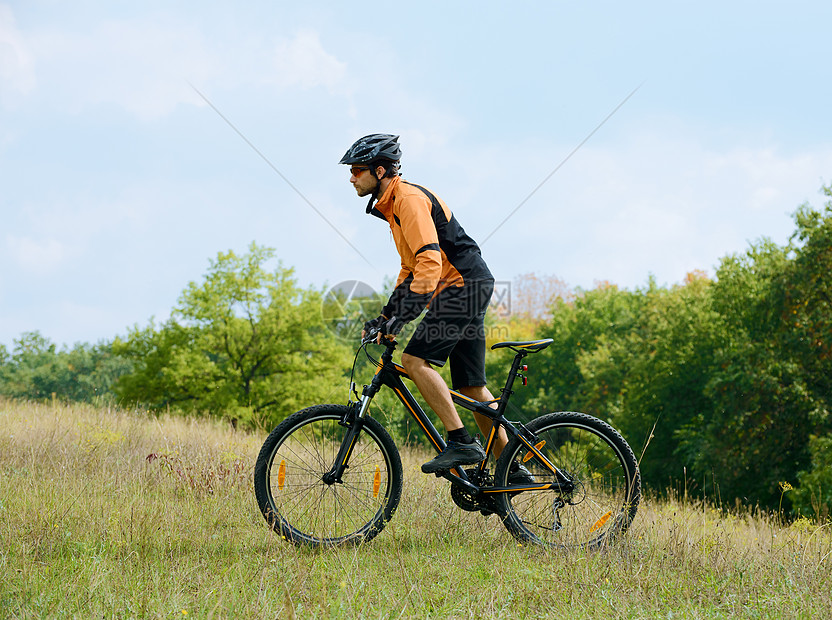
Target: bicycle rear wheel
(300,505)
(605,489)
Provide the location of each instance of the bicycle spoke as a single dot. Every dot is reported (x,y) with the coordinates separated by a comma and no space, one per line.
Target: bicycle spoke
(307,509)
(604,484)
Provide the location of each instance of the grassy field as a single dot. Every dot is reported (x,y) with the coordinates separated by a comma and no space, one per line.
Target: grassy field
(92,525)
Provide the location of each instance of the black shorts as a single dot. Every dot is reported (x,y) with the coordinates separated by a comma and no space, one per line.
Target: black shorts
(453,329)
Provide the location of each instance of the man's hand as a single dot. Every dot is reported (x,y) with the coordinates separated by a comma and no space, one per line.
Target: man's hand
(385,327)
(373,325)
(391,327)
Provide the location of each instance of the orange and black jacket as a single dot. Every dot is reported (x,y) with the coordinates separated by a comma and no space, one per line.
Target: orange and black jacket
(435,251)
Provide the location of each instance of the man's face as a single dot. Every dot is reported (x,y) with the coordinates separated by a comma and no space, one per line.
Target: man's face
(362,180)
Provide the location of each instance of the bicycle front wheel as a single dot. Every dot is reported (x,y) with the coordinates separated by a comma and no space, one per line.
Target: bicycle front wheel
(600,498)
(296,500)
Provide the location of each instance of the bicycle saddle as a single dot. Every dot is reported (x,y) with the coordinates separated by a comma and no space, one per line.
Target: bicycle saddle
(532,346)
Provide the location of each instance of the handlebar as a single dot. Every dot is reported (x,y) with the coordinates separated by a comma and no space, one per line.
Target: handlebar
(372,336)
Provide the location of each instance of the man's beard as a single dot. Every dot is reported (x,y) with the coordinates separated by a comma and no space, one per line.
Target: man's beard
(366,192)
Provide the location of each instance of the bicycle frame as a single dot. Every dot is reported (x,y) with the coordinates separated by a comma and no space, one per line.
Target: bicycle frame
(391,375)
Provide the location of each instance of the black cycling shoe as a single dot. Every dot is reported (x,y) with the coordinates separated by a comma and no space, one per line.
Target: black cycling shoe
(517,474)
(454,454)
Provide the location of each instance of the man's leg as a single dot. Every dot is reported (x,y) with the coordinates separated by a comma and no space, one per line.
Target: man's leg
(433,389)
(435,392)
(460,449)
(518,474)
(482,394)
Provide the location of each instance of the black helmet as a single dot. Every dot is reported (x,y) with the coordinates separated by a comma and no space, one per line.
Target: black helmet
(372,148)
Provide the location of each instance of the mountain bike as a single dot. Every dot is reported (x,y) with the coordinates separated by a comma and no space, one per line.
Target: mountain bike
(332,475)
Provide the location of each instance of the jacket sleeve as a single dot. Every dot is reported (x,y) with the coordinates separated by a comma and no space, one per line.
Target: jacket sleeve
(404,303)
(415,289)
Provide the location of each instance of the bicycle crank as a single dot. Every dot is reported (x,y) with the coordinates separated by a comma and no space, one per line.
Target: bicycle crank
(472,502)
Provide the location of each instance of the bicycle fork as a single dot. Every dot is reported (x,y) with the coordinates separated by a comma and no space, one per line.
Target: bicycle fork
(354,422)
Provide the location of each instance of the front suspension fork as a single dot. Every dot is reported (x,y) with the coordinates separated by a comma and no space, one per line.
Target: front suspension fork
(353,421)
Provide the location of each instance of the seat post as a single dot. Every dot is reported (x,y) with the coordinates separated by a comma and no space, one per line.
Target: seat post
(512,375)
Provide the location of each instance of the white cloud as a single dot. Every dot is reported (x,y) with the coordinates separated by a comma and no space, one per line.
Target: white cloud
(89,322)
(57,235)
(145,64)
(303,62)
(17,65)
(766,176)
(661,201)
(142,65)
(36,256)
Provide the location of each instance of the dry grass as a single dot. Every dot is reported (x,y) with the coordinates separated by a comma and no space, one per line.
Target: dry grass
(90,526)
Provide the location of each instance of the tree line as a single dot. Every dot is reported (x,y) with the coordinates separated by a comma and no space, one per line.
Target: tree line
(724,385)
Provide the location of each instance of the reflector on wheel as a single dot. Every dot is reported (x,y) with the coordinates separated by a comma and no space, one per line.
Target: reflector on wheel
(281,475)
(600,522)
(529,455)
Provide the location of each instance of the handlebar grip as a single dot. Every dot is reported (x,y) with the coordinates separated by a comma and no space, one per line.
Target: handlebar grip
(371,336)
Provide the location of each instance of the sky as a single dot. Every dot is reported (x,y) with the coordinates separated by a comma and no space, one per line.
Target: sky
(622,141)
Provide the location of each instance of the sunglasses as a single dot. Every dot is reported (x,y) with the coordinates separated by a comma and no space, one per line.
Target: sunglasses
(356,170)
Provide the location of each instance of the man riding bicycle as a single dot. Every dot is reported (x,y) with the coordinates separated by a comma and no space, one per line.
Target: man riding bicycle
(442,269)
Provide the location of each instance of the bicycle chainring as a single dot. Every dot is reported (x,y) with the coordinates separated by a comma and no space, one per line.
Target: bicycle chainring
(471,502)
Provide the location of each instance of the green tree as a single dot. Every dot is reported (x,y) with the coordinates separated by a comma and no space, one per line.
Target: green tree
(33,369)
(665,363)
(813,497)
(748,437)
(37,369)
(807,313)
(729,378)
(639,360)
(771,375)
(583,329)
(245,343)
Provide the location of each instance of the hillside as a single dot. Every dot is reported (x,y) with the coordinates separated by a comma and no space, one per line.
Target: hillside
(111,513)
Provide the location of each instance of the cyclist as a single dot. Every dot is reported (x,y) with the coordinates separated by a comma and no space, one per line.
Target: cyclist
(441,269)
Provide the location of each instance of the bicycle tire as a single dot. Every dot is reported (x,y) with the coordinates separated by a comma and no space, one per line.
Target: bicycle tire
(607,484)
(300,506)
